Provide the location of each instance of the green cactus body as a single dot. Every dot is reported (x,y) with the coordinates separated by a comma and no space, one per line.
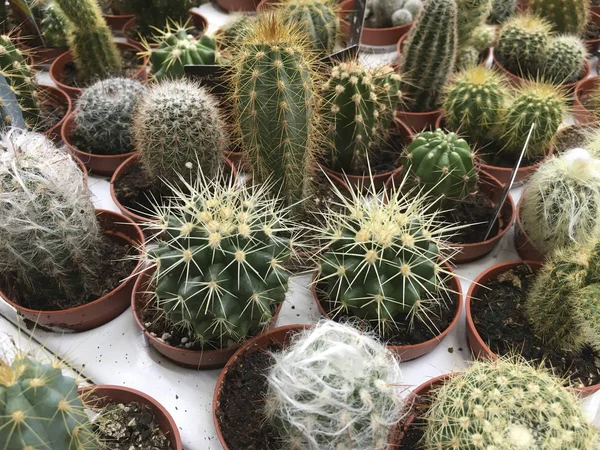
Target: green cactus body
(176,128)
(150,15)
(535,103)
(402,17)
(273,92)
(177,49)
(233,31)
(429,55)
(483,37)
(441,164)
(90,40)
(566,16)
(471,14)
(565,59)
(54,26)
(4,22)
(505,405)
(219,265)
(501,11)
(317,18)
(40,408)
(474,102)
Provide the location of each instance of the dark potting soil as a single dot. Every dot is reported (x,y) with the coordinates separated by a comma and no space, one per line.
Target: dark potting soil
(476,210)
(240,414)
(50,114)
(131,65)
(138,192)
(130,426)
(499,319)
(403,334)
(592,32)
(571,137)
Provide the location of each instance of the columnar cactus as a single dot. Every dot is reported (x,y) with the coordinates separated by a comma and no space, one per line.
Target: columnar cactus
(103,115)
(505,404)
(565,59)
(561,203)
(318,20)
(274,88)
(429,54)
(219,264)
(471,14)
(48,227)
(177,127)
(40,408)
(150,15)
(566,16)
(177,49)
(332,388)
(563,305)
(90,39)
(535,103)
(54,26)
(384,258)
(501,11)
(441,165)
(474,101)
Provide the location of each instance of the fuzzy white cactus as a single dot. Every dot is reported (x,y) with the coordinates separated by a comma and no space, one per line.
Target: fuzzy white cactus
(334,388)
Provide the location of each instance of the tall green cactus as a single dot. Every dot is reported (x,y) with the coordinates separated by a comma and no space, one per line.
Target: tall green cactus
(40,408)
(566,16)
(150,15)
(90,39)
(471,14)
(429,54)
(274,89)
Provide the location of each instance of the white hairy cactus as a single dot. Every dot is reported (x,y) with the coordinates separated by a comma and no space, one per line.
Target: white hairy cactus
(334,388)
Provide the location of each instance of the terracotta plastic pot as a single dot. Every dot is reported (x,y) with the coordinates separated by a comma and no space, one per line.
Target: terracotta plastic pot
(593,44)
(58,67)
(478,347)
(116,22)
(523,244)
(583,88)
(104,165)
(33,47)
(193,359)
(54,96)
(409,352)
(101,395)
(98,312)
(238,5)
(198,21)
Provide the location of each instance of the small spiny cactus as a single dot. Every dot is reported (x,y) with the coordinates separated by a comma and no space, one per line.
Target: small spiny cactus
(565,16)
(565,59)
(150,15)
(54,26)
(483,37)
(388,13)
(471,14)
(501,11)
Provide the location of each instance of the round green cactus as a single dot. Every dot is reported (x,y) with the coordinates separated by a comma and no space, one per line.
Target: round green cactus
(474,101)
(232,32)
(40,408)
(484,37)
(505,405)
(565,59)
(219,263)
(566,16)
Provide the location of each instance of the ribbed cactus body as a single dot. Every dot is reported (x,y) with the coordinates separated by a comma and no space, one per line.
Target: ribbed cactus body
(505,405)
(40,408)
(232,32)
(54,26)
(219,265)
(176,128)
(103,115)
(566,16)
(317,18)
(429,54)
(152,14)
(90,39)
(441,164)
(501,11)
(565,59)
(471,14)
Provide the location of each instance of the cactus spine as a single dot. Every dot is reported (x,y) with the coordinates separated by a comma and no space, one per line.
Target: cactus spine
(566,16)
(274,89)
(90,39)
(317,400)
(429,54)
(219,265)
(501,11)
(232,32)
(150,15)
(471,14)
(505,404)
(565,59)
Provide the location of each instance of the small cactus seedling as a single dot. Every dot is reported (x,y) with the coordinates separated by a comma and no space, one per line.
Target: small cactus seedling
(505,404)
(333,388)
(103,115)
(40,408)
(563,305)
(150,15)
(54,26)
(565,16)
(501,11)
(219,264)
(441,165)
(176,128)
(474,101)
(90,39)
(561,203)
(177,49)
(429,55)
(483,37)
(565,59)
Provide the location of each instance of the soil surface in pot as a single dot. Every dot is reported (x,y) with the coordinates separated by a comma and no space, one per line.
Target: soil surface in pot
(403,334)
(131,65)
(126,426)
(416,430)
(592,32)
(572,137)
(241,414)
(138,192)
(114,264)
(500,320)
(50,114)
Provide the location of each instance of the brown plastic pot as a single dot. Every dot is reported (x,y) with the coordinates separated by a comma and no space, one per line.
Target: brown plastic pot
(97,397)
(583,88)
(54,96)
(193,359)
(100,311)
(104,165)
(238,5)
(198,21)
(58,67)
(409,352)
(523,244)
(478,347)
(116,22)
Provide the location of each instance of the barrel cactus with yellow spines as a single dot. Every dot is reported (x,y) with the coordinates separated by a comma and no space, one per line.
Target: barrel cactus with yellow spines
(565,59)
(565,16)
